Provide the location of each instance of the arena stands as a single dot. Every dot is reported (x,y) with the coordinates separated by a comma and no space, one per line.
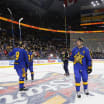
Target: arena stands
(52,49)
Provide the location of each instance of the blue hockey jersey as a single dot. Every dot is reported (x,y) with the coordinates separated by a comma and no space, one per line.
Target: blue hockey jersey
(21,56)
(30,57)
(81,58)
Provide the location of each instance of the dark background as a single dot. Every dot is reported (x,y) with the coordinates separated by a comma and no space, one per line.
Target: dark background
(44,13)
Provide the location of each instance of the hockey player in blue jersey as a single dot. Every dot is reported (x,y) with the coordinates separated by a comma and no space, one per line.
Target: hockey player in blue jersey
(30,67)
(82,66)
(20,59)
(25,63)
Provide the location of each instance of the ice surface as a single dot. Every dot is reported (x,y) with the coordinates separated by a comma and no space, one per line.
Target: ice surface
(53,84)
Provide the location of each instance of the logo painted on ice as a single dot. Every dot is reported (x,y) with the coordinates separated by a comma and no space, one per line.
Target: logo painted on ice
(47,88)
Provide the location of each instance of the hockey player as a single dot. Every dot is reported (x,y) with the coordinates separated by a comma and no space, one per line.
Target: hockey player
(20,59)
(82,66)
(25,64)
(30,58)
(65,59)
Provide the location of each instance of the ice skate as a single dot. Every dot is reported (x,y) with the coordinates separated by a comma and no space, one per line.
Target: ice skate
(78,95)
(86,92)
(23,89)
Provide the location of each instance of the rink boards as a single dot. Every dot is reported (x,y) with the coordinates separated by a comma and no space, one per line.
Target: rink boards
(10,63)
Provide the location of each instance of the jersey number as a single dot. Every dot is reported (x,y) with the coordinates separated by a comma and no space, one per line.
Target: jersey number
(17,55)
(30,57)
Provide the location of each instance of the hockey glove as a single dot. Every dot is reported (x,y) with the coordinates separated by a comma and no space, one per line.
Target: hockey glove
(89,70)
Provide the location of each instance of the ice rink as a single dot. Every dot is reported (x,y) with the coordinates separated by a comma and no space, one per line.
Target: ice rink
(51,86)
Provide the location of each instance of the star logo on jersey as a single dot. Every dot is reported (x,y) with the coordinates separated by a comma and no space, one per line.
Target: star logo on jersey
(78,58)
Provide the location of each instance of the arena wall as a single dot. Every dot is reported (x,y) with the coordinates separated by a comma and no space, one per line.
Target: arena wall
(10,63)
